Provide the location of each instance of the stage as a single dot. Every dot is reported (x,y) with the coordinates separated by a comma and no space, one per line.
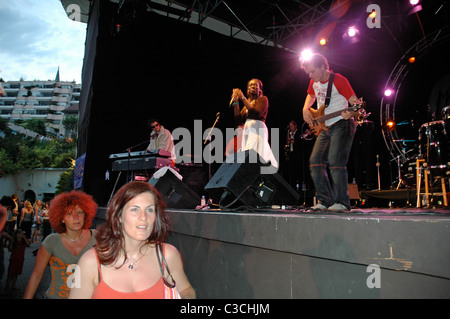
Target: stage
(290,253)
(383,248)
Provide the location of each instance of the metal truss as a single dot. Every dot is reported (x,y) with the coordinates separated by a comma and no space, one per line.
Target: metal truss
(270,35)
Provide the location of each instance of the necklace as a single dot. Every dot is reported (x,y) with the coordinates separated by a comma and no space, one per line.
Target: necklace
(71,239)
(131,266)
(134,262)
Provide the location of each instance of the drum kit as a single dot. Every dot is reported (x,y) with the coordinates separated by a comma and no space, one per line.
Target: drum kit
(433,157)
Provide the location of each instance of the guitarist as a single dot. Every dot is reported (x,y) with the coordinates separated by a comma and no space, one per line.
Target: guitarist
(333,145)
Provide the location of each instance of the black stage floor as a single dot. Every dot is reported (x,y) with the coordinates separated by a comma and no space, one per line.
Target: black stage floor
(296,253)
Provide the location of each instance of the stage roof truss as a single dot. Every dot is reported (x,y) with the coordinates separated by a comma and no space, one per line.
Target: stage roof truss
(233,19)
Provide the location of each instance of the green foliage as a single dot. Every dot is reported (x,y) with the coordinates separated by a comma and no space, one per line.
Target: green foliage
(36,125)
(71,124)
(65,183)
(18,152)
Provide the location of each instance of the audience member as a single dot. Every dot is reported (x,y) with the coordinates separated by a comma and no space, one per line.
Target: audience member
(26,218)
(71,215)
(17,244)
(125,262)
(46,227)
(37,220)
(5,204)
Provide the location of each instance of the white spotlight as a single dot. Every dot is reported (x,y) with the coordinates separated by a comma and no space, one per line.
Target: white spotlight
(306,55)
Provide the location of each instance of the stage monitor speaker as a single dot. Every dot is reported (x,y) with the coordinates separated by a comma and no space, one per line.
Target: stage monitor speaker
(174,192)
(243,181)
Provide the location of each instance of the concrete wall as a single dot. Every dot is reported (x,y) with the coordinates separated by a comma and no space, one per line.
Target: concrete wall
(231,255)
(39,182)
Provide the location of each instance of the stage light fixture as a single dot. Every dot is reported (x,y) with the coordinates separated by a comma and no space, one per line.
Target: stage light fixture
(389,125)
(373,14)
(416,6)
(412,59)
(388,92)
(323,41)
(351,31)
(351,35)
(306,55)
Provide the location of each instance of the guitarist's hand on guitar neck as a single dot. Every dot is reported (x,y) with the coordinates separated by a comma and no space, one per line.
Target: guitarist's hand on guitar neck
(346,114)
(352,111)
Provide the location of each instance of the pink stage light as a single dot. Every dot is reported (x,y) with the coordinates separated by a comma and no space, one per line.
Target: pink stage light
(352,31)
(416,6)
(388,92)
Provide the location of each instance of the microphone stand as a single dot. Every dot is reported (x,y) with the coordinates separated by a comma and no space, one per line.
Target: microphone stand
(208,138)
(378,171)
(128,150)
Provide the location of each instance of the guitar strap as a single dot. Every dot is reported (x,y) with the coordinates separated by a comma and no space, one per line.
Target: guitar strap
(330,85)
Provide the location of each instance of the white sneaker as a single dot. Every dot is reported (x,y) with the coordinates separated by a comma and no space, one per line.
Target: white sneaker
(338,207)
(318,206)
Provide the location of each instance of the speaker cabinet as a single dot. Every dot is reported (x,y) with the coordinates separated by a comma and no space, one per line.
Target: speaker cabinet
(174,192)
(243,182)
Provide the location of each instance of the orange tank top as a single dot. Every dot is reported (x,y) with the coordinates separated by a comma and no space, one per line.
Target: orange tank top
(103,291)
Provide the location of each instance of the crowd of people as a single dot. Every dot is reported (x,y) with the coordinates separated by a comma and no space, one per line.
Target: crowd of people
(22,223)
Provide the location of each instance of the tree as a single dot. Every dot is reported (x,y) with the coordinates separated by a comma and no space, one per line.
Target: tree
(19,152)
(36,125)
(71,124)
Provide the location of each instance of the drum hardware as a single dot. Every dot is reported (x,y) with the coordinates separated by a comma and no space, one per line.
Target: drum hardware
(433,147)
(421,165)
(419,168)
(404,141)
(403,123)
(378,172)
(399,169)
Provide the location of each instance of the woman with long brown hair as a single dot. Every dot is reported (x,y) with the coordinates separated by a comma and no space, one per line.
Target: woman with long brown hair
(125,262)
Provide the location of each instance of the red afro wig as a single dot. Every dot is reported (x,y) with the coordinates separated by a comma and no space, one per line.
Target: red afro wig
(68,202)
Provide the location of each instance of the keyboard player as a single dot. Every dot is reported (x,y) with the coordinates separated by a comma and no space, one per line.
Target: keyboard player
(161,138)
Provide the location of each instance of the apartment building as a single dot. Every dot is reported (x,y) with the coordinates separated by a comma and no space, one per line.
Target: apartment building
(48,100)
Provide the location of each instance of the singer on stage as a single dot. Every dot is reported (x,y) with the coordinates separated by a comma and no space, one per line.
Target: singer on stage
(254,113)
(161,138)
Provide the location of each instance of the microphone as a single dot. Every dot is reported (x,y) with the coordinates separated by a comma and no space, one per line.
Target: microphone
(231,101)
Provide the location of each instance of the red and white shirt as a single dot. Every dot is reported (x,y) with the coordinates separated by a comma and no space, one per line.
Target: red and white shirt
(341,92)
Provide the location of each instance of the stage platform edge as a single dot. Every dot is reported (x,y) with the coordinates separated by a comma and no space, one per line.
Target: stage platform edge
(389,253)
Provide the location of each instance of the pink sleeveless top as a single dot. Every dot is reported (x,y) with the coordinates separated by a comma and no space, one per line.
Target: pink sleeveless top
(103,291)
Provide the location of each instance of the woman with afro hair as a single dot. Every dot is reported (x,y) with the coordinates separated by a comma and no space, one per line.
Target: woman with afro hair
(70,215)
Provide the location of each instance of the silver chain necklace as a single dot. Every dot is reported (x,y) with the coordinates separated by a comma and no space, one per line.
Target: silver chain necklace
(132,266)
(72,240)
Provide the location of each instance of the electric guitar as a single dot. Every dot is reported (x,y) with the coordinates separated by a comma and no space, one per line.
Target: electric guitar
(318,125)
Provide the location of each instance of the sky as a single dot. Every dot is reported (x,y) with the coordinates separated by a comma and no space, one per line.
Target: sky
(37,37)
